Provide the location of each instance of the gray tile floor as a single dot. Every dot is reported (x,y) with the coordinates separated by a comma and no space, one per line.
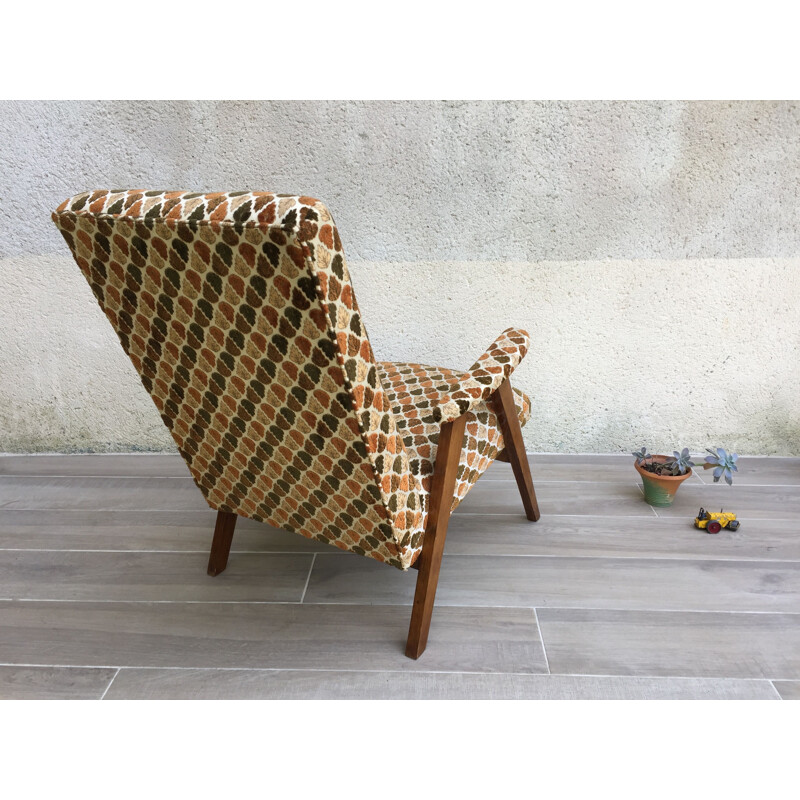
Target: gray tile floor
(103,592)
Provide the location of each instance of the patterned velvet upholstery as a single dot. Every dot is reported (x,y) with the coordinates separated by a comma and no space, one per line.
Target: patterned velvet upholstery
(415,391)
(238,313)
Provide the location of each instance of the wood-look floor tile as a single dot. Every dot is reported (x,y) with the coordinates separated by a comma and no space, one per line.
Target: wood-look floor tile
(594,499)
(778,503)
(753,470)
(54,575)
(566,467)
(668,643)
(678,584)
(650,537)
(99,464)
(53,683)
(92,529)
(619,583)
(788,690)
(280,636)
(169,494)
(156,684)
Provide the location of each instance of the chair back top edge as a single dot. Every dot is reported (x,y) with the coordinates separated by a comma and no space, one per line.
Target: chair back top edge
(261,209)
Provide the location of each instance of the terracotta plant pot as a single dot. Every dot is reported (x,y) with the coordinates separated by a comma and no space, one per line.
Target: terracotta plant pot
(659,490)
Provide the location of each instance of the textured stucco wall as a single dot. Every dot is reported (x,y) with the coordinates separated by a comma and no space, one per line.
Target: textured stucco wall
(651,249)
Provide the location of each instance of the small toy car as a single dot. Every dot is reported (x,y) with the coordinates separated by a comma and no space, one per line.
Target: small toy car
(714,522)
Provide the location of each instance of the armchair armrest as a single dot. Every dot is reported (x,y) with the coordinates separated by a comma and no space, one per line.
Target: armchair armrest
(485,376)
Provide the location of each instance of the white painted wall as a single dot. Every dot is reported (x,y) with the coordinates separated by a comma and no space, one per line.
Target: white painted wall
(651,250)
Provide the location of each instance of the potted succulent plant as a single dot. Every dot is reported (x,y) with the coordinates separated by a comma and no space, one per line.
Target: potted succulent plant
(662,475)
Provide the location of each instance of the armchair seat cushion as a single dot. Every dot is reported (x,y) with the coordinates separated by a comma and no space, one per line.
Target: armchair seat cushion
(415,392)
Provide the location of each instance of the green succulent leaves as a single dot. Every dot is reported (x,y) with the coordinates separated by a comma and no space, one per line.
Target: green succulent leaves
(725,464)
(681,463)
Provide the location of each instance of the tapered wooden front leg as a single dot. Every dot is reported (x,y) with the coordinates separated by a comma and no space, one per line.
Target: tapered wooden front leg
(445,470)
(503,404)
(221,545)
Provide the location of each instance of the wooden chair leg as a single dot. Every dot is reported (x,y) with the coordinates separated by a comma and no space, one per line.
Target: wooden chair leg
(221,545)
(503,404)
(445,470)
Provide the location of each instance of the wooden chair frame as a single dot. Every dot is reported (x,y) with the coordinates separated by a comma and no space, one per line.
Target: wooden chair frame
(429,561)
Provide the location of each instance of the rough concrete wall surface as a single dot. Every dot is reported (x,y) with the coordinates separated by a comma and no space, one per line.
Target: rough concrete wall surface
(650,248)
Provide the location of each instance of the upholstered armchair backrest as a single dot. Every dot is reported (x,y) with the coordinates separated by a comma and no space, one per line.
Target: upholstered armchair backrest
(238,313)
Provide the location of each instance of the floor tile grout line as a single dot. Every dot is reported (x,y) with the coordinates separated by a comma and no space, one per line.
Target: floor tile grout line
(723,486)
(331,553)
(641,490)
(775,688)
(680,516)
(481,481)
(483,478)
(102,477)
(714,678)
(117,510)
(541,639)
(458,512)
(644,610)
(204,511)
(308,577)
(31,665)
(157,454)
(360,604)
(110,682)
(163,552)
(48,476)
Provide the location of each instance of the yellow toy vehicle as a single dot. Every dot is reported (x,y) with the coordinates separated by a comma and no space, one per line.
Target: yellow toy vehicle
(714,522)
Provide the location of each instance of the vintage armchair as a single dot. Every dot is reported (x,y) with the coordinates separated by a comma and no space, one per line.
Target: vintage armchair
(238,313)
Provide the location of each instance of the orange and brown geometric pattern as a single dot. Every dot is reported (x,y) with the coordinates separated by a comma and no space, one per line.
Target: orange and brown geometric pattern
(415,392)
(485,375)
(238,312)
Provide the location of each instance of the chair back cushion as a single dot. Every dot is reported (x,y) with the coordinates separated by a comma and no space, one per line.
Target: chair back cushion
(238,313)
